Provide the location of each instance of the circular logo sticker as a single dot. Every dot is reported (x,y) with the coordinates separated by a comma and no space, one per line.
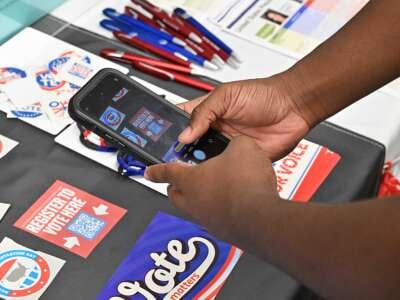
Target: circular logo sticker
(56,64)
(22,273)
(46,80)
(10,73)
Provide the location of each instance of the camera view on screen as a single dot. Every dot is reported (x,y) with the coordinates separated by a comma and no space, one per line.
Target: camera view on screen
(145,121)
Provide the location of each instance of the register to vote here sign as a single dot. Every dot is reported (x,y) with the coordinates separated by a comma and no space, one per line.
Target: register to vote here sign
(70,218)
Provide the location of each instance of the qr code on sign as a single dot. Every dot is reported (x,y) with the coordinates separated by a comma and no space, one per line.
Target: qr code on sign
(86,225)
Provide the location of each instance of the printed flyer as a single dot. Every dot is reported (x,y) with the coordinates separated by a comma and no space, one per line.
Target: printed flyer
(292,27)
(302,171)
(70,218)
(173,259)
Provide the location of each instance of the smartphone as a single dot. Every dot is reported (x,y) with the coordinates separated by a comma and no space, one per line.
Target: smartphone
(131,117)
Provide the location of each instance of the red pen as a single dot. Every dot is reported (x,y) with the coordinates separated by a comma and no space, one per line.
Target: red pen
(129,57)
(166,75)
(135,13)
(221,54)
(166,19)
(130,11)
(201,49)
(137,42)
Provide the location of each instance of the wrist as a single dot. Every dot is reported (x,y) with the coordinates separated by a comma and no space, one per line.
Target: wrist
(252,221)
(302,93)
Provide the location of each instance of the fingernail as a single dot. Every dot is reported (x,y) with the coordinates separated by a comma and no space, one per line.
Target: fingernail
(146,174)
(186,133)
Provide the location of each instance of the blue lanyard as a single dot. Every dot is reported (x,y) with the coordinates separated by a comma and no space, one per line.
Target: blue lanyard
(128,165)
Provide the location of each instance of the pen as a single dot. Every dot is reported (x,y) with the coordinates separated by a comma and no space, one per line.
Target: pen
(118,25)
(196,24)
(218,56)
(201,49)
(133,40)
(166,19)
(134,13)
(221,54)
(114,15)
(129,57)
(166,75)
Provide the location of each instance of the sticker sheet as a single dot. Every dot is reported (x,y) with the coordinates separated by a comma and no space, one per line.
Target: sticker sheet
(173,259)
(38,76)
(6,145)
(25,274)
(70,218)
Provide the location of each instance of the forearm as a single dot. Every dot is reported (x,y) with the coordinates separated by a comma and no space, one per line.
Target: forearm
(363,56)
(347,251)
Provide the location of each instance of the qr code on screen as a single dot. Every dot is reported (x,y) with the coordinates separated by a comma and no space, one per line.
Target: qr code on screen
(86,225)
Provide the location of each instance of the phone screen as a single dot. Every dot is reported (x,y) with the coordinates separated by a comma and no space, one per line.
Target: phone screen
(145,121)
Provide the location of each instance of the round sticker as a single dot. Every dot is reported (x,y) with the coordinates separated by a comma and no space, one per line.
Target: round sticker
(10,73)
(22,273)
(46,80)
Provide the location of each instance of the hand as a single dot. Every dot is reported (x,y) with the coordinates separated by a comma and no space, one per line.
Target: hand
(225,192)
(261,109)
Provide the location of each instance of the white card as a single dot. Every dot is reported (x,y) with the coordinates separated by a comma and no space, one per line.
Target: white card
(4,207)
(6,145)
(26,273)
(39,74)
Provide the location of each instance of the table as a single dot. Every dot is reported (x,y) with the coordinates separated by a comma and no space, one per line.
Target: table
(367,117)
(37,162)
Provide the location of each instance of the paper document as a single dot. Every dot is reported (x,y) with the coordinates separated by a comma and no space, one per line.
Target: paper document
(292,27)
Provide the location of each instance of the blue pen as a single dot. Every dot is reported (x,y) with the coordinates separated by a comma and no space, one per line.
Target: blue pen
(114,15)
(196,24)
(113,25)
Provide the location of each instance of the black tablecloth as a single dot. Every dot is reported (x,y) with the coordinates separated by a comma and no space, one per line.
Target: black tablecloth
(27,171)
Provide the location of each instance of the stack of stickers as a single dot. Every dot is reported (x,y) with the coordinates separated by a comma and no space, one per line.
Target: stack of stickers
(38,76)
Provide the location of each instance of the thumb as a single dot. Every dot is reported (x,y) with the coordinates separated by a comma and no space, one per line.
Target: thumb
(172,173)
(203,115)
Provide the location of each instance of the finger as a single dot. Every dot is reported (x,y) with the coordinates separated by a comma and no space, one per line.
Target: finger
(189,106)
(174,194)
(167,173)
(244,144)
(203,115)
(178,199)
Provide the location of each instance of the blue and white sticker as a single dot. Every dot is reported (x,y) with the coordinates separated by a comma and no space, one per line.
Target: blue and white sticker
(25,273)
(30,112)
(9,74)
(112,117)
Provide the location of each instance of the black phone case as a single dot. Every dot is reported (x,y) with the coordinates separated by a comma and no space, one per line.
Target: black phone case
(111,137)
